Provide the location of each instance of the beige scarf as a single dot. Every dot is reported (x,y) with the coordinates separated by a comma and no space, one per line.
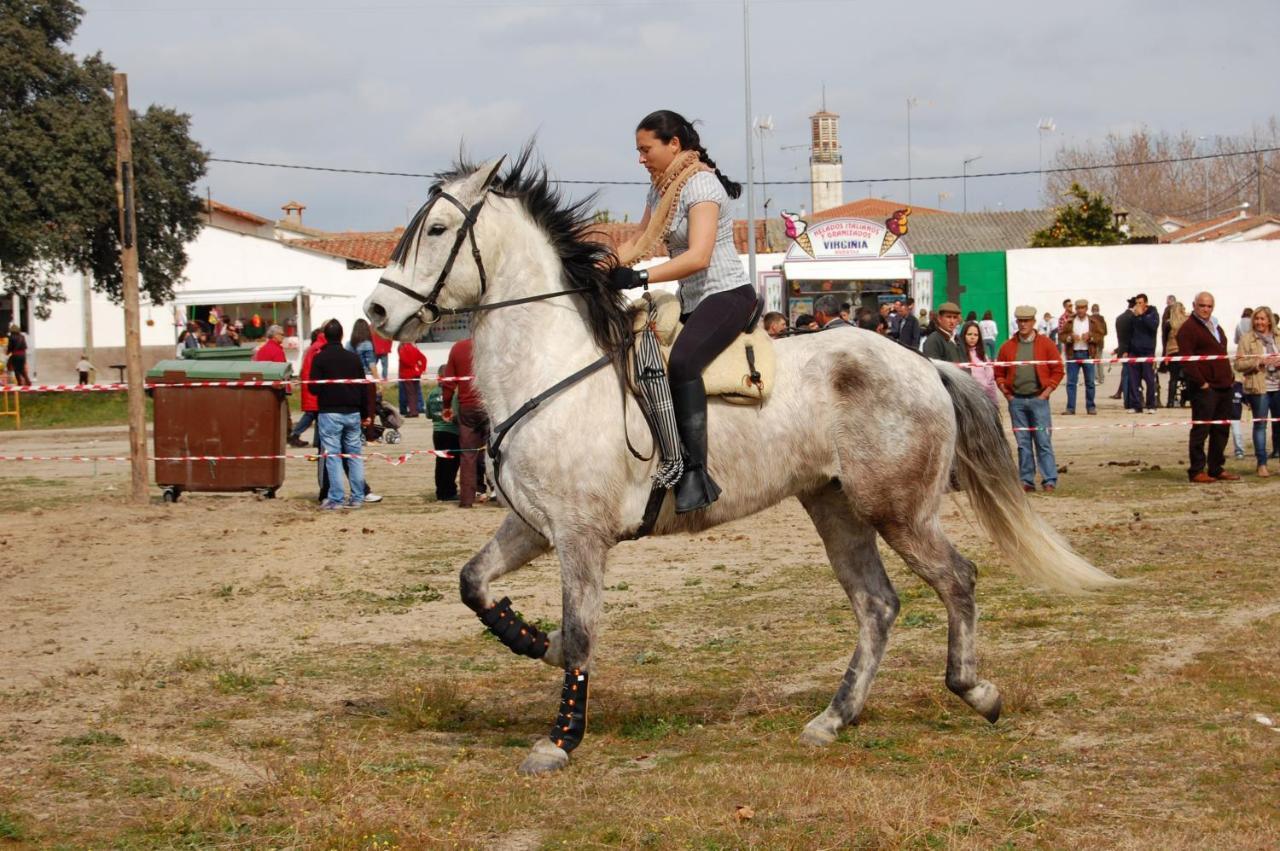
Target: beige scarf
(669,185)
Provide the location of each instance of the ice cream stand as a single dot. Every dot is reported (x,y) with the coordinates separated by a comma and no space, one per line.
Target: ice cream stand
(860,261)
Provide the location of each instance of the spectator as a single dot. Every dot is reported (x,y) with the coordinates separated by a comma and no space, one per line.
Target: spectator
(272,349)
(310,405)
(382,353)
(444,438)
(826,311)
(1096,310)
(473,421)
(1209,382)
(845,309)
(1165,329)
(775,324)
(976,356)
(412,364)
(1068,312)
(16,350)
(227,337)
(1244,325)
(908,325)
(990,331)
(1143,332)
(1048,327)
(867,319)
(972,317)
(1082,340)
(344,410)
(1124,332)
(1258,361)
(1177,315)
(1237,411)
(805,323)
(83,368)
(895,319)
(1028,387)
(941,344)
(361,342)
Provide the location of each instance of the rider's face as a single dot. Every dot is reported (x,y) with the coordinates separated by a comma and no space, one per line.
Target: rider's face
(655,154)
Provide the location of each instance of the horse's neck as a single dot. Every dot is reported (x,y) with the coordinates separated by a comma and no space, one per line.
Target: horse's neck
(524,349)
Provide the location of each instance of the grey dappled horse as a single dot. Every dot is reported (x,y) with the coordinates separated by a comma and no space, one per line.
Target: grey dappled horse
(862,431)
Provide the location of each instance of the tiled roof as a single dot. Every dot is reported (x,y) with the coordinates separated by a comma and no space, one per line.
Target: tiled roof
(876,209)
(1270,236)
(211,206)
(1194,228)
(959,233)
(371,249)
(1216,229)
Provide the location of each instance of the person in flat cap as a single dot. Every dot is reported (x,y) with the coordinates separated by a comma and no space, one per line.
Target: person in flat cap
(1027,386)
(1082,337)
(941,344)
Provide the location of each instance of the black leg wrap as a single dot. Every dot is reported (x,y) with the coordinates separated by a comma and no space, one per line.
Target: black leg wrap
(571,724)
(512,631)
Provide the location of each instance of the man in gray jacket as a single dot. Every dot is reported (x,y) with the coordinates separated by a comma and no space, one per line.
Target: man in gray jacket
(941,344)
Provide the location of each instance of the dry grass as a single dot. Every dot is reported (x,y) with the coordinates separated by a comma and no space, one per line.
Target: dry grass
(1128,715)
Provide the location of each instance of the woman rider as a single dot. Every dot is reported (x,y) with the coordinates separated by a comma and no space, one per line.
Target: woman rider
(688,205)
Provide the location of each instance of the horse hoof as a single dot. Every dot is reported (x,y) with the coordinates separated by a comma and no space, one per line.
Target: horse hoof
(985,700)
(821,730)
(544,758)
(555,650)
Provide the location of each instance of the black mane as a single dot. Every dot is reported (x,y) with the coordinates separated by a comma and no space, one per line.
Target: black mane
(585,257)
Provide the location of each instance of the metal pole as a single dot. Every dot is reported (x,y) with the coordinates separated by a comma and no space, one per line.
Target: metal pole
(751,193)
(964,183)
(129,268)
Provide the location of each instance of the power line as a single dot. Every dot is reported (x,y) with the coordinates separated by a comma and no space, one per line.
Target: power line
(976,175)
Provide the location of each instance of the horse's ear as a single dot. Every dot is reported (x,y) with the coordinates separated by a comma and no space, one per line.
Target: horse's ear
(480,180)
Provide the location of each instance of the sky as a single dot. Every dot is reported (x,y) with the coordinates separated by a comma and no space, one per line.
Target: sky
(400,86)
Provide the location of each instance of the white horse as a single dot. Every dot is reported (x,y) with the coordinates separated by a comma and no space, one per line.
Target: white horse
(862,431)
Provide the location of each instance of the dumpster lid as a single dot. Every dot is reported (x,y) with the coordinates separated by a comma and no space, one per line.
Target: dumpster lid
(220,370)
(219,353)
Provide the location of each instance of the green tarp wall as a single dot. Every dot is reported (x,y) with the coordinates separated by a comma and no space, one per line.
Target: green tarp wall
(976,281)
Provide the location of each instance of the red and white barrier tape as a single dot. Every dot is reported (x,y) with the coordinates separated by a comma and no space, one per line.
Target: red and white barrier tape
(1150,359)
(91,388)
(1141,425)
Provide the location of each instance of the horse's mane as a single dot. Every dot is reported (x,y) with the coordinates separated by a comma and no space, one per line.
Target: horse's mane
(584,256)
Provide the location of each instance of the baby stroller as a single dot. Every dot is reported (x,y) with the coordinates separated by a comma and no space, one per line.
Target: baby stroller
(386,423)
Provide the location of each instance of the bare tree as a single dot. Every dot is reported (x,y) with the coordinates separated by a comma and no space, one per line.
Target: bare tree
(1187,187)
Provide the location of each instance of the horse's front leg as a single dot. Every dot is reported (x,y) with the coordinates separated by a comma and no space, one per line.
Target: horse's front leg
(582,560)
(514,545)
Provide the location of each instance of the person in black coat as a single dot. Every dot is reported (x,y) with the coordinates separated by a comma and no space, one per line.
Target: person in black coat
(1124,333)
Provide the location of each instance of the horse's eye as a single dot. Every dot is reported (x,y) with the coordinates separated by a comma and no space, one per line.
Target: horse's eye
(436,230)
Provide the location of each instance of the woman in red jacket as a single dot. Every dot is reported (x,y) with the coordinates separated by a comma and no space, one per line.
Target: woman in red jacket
(310,404)
(412,364)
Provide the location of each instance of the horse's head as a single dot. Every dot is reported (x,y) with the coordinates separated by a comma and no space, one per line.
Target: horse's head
(437,264)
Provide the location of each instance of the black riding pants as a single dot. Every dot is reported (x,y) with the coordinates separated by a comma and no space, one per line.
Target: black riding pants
(708,331)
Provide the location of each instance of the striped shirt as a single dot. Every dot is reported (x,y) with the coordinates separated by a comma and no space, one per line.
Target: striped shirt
(725,271)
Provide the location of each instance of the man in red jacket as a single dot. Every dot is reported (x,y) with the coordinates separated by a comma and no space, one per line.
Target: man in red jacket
(272,351)
(1210,384)
(310,405)
(1028,388)
(412,364)
(473,420)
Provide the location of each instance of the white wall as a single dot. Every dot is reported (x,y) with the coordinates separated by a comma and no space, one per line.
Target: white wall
(1239,274)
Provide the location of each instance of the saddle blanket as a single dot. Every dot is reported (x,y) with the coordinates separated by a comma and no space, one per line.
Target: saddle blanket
(742,374)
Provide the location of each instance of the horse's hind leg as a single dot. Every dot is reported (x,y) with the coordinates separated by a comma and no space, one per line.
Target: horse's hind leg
(513,546)
(928,553)
(851,548)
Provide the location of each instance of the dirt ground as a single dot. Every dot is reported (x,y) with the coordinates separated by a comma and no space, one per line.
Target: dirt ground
(236,672)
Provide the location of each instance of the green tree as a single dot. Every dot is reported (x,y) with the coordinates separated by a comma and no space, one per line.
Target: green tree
(1088,220)
(57,166)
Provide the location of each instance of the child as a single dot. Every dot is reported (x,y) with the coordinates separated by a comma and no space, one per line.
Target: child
(83,368)
(1237,406)
(444,437)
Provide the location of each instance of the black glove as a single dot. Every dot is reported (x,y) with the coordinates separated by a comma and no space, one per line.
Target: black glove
(625,278)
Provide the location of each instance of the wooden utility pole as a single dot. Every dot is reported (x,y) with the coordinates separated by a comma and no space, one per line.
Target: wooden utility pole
(129,267)
(1262,195)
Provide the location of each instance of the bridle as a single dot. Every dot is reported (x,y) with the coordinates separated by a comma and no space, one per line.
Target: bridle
(430,312)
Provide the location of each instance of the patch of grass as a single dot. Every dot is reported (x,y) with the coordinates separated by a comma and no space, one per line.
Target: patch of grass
(235,682)
(431,705)
(648,727)
(11,828)
(397,602)
(91,739)
(211,724)
(193,661)
(73,410)
(913,620)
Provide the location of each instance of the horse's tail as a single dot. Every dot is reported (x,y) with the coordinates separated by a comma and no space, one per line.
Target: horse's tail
(986,470)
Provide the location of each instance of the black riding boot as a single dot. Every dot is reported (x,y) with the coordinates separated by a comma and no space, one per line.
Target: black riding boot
(695,489)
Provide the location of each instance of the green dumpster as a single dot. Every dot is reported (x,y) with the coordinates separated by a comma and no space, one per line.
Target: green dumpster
(197,427)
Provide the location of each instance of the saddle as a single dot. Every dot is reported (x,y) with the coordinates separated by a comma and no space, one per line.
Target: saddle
(742,374)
